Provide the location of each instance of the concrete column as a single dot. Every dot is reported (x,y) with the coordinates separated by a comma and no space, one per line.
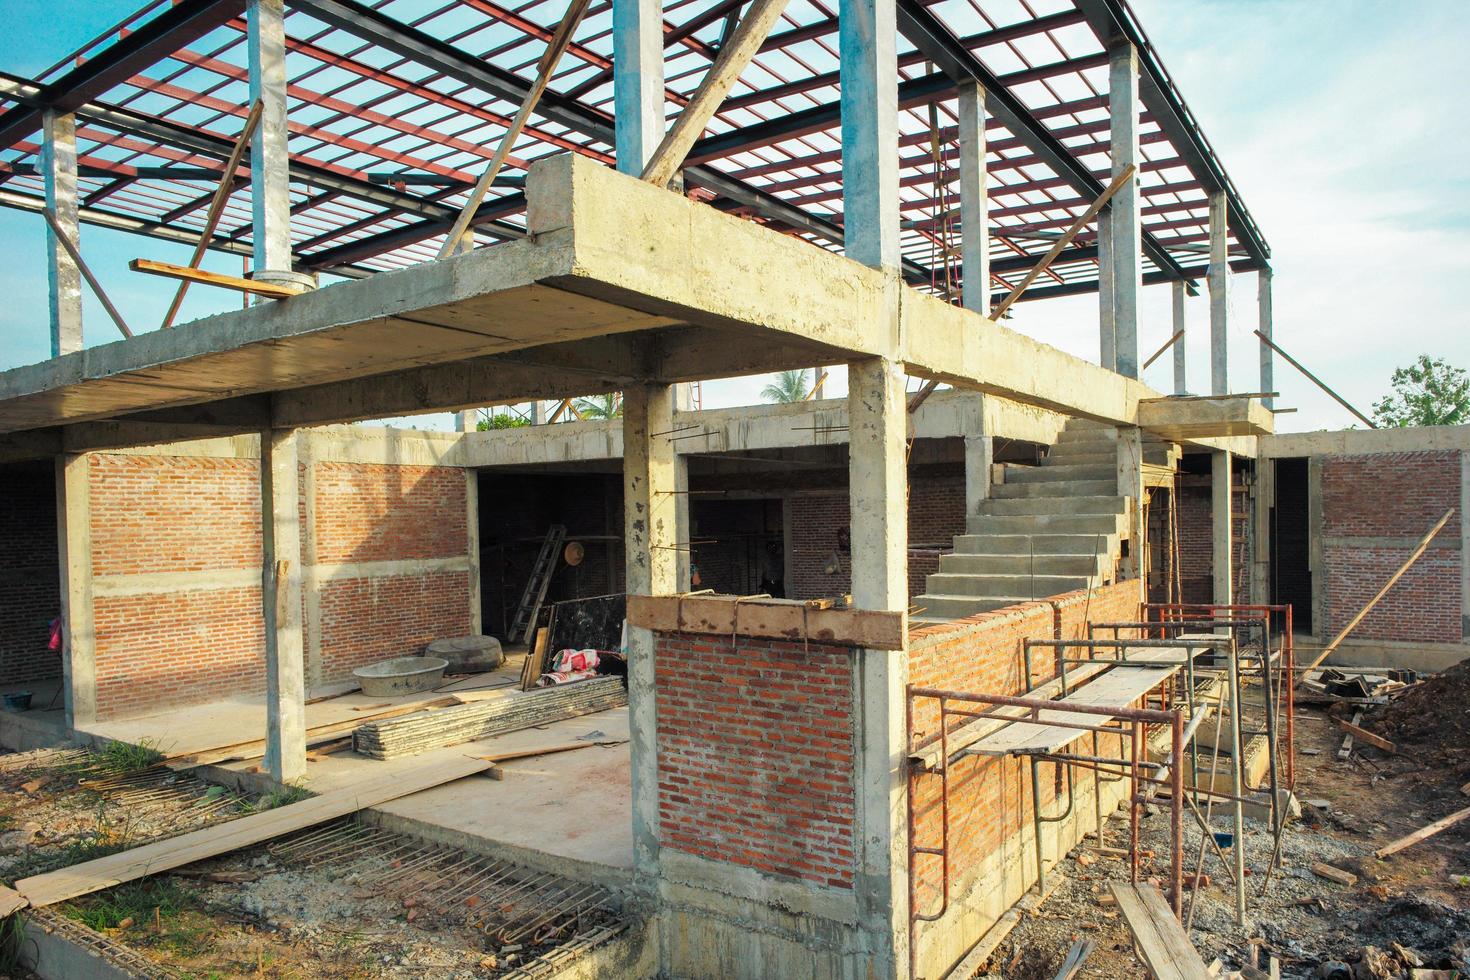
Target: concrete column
(285,675)
(64,279)
(974,199)
(270,190)
(74,549)
(1130,486)
(979,456)
(1181,370)
(1263,499)
(1221,527)
(867,38)
(1124,267)
(311,598)
(472,544)
(638,81)
(1263,307)
(1218,277)
(538,413)
(879,535)
(649,536)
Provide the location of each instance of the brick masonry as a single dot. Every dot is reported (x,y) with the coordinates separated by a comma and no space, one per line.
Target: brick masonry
(176,550)
(30,577)
(757,754)
(1374,510)
(990,799)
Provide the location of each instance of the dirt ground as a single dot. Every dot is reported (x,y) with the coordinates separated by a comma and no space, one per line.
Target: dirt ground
(1418,898)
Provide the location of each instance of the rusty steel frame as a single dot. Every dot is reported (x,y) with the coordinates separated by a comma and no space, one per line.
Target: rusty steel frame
(1132,721)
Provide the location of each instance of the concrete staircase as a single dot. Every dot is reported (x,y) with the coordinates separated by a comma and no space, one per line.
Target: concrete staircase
(1047,529)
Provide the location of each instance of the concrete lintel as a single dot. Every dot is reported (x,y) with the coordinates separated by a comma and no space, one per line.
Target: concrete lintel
(1354,442)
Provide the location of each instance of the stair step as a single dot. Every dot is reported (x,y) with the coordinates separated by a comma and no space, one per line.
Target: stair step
(1109,458)
(1059,488)
(1040,586)
(1029,544)
(1086,564)
(943,608)
(1017,473)
(1039,506)
(1046,524)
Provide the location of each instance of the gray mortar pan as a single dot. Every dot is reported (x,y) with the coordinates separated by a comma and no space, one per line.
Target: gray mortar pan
(401,675)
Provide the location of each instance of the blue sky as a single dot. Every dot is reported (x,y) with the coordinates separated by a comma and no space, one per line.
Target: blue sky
(1342,123)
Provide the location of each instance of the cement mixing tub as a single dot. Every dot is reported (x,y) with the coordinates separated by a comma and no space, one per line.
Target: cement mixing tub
(401,675)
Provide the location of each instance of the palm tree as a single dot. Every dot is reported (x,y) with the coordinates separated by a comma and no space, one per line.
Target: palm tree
(608,406)
(789,386)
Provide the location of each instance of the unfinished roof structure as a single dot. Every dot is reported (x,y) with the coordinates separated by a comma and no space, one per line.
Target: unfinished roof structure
(841,622)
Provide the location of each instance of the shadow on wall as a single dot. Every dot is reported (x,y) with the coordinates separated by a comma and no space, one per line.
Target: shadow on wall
(30,574)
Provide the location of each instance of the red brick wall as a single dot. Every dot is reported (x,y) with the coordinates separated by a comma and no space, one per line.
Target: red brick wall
(1394,496)
(1197,541)
(30,576)
(179,514)
(936,515)
(990,799)
(757,754)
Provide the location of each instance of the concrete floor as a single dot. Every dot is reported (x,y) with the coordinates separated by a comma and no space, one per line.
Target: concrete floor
(570,812)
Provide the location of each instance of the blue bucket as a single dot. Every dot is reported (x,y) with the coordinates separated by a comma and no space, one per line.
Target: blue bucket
(1224,838)
(18,701)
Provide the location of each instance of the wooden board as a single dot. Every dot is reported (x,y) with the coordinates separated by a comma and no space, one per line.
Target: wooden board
(1163,945)
(1118,686)
(150,859)
(783,619)
(10,901)
(1377,741)
(189,274)
(1422,833)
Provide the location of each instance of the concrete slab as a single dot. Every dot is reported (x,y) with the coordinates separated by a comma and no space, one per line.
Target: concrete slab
(1183,419)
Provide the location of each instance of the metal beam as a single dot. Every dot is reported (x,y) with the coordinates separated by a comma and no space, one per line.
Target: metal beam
(1111,20)
(939,44)
(182,23)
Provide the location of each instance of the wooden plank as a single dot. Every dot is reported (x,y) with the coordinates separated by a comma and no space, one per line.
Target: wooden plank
(1377,741)
(164,855)
(1419,550)
(1160,352)
(1316,380)
(734,56)
(217,204)
(546,750)
(10,901)
(786,619)
(1334,874)
(555,48)
(1064,241)
(189,274)
(1347,740)
(1163,944)
(1422,833)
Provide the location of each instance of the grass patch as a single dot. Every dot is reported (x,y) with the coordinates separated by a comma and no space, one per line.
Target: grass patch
(12,939)
(129,757)
(286,795)
(158,912)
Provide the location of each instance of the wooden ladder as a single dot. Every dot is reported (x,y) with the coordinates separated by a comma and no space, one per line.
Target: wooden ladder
(524,620)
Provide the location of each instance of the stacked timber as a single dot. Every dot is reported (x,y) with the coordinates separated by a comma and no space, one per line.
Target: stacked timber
(409,735)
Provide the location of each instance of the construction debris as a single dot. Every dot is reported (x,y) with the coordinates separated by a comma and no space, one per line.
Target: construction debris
(396,738)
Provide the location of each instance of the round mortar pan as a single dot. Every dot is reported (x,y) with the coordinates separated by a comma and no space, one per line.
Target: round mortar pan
(401,675)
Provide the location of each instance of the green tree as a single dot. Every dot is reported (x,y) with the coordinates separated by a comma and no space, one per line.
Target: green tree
(608,406)
(789,386)
(1427,392)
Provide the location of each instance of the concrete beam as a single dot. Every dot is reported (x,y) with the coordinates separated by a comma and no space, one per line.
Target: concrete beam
(1188,419)
(270,181)
(878,493)
(1263,309)
(1122,262)
(1219,278)
(1221,527)
(285,668)
(74,543)
(63,276)
(650,526)
(974,199)
(867,42)
(1181,367)
(638,81)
